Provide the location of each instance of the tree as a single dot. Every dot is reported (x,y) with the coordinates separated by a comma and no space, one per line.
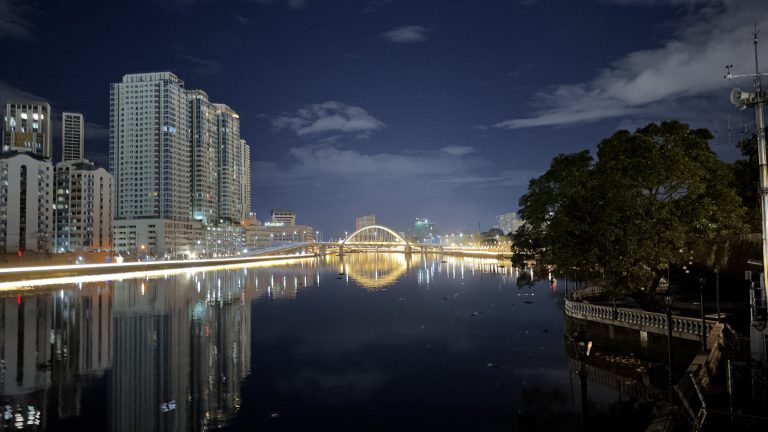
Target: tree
(624,217)
(746,175)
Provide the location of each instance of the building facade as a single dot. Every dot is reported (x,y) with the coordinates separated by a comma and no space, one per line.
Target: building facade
(424,230)
(27,128)
(83,214)
(175,156)
(231,206)
(265,236)
(365,221)
(149,147)
(72,136)
(245,179)
(26,203)
(205,158)
(147,238)
(283,218)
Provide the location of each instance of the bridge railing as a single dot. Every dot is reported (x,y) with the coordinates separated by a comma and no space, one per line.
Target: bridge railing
(682,327)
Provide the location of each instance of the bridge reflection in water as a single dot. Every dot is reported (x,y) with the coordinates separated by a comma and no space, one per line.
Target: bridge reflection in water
(170,351)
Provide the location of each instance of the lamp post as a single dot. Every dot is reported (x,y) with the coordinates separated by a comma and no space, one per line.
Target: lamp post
(582,344)
(668,299)
(717,292)
(55,228)
(702,281)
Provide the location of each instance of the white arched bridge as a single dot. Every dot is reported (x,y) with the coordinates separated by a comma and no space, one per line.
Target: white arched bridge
(376,236)
(379,238)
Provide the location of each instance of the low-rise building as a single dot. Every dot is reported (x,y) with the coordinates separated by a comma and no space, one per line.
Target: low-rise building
(26,202)
(265,236)
(156,238)
(83,209)
(283,218)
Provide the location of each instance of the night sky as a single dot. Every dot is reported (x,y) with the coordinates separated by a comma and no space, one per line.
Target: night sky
(398,108)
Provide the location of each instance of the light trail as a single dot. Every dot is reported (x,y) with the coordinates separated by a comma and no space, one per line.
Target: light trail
(25,285)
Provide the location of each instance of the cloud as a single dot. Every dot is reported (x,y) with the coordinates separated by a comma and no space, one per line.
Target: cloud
(430,170)
(13,21)
(329,117)
(659,2)
(293,4)
(457,150)
(297,4)
(406,34)
(202,66)
(242,19)
(8,91)
(95,131)
(645,83)
(372,6)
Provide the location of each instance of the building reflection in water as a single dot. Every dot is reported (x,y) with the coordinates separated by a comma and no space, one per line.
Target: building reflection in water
(54,341)
(172,349)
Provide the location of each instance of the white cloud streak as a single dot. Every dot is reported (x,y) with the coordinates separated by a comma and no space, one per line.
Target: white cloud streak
(329,117)
(431,170)
(457,151)
(13,23)
(8,91)
(201,65)
(644,83)
(406,34)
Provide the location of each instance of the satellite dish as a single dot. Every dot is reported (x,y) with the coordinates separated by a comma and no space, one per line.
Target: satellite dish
(740,98)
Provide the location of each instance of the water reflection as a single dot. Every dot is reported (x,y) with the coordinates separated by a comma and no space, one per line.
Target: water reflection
(176,348)
(171,350)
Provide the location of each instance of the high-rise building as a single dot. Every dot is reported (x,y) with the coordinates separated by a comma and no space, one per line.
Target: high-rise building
(508,222)
(221,163)
(149,147)
(83,209)
(26,199)
(230,165)
(365,221)
(175,157)
(283,218)
(245,178)
(72,136)
(205,158)
(27,128)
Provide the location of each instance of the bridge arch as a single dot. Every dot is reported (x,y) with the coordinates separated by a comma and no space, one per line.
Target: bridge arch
(374,229)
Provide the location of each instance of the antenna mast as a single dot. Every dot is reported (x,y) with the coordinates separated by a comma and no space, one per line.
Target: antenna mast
(742,100)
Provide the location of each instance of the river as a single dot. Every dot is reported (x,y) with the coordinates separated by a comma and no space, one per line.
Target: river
(374,341)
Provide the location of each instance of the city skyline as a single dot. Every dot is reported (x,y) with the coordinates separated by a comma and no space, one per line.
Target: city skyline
(399,109)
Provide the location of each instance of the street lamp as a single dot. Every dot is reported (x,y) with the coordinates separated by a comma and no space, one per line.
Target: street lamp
(668,299)
(703,281)
(582,344)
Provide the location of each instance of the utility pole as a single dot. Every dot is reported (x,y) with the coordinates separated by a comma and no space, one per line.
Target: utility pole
(742,100)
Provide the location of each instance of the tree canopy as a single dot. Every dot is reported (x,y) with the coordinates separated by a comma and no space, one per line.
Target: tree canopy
(646,200)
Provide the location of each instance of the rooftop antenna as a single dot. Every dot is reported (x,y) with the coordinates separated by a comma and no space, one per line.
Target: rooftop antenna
(757,99)
(728,120)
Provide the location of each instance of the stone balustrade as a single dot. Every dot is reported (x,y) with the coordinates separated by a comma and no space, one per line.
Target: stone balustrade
(652,322)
